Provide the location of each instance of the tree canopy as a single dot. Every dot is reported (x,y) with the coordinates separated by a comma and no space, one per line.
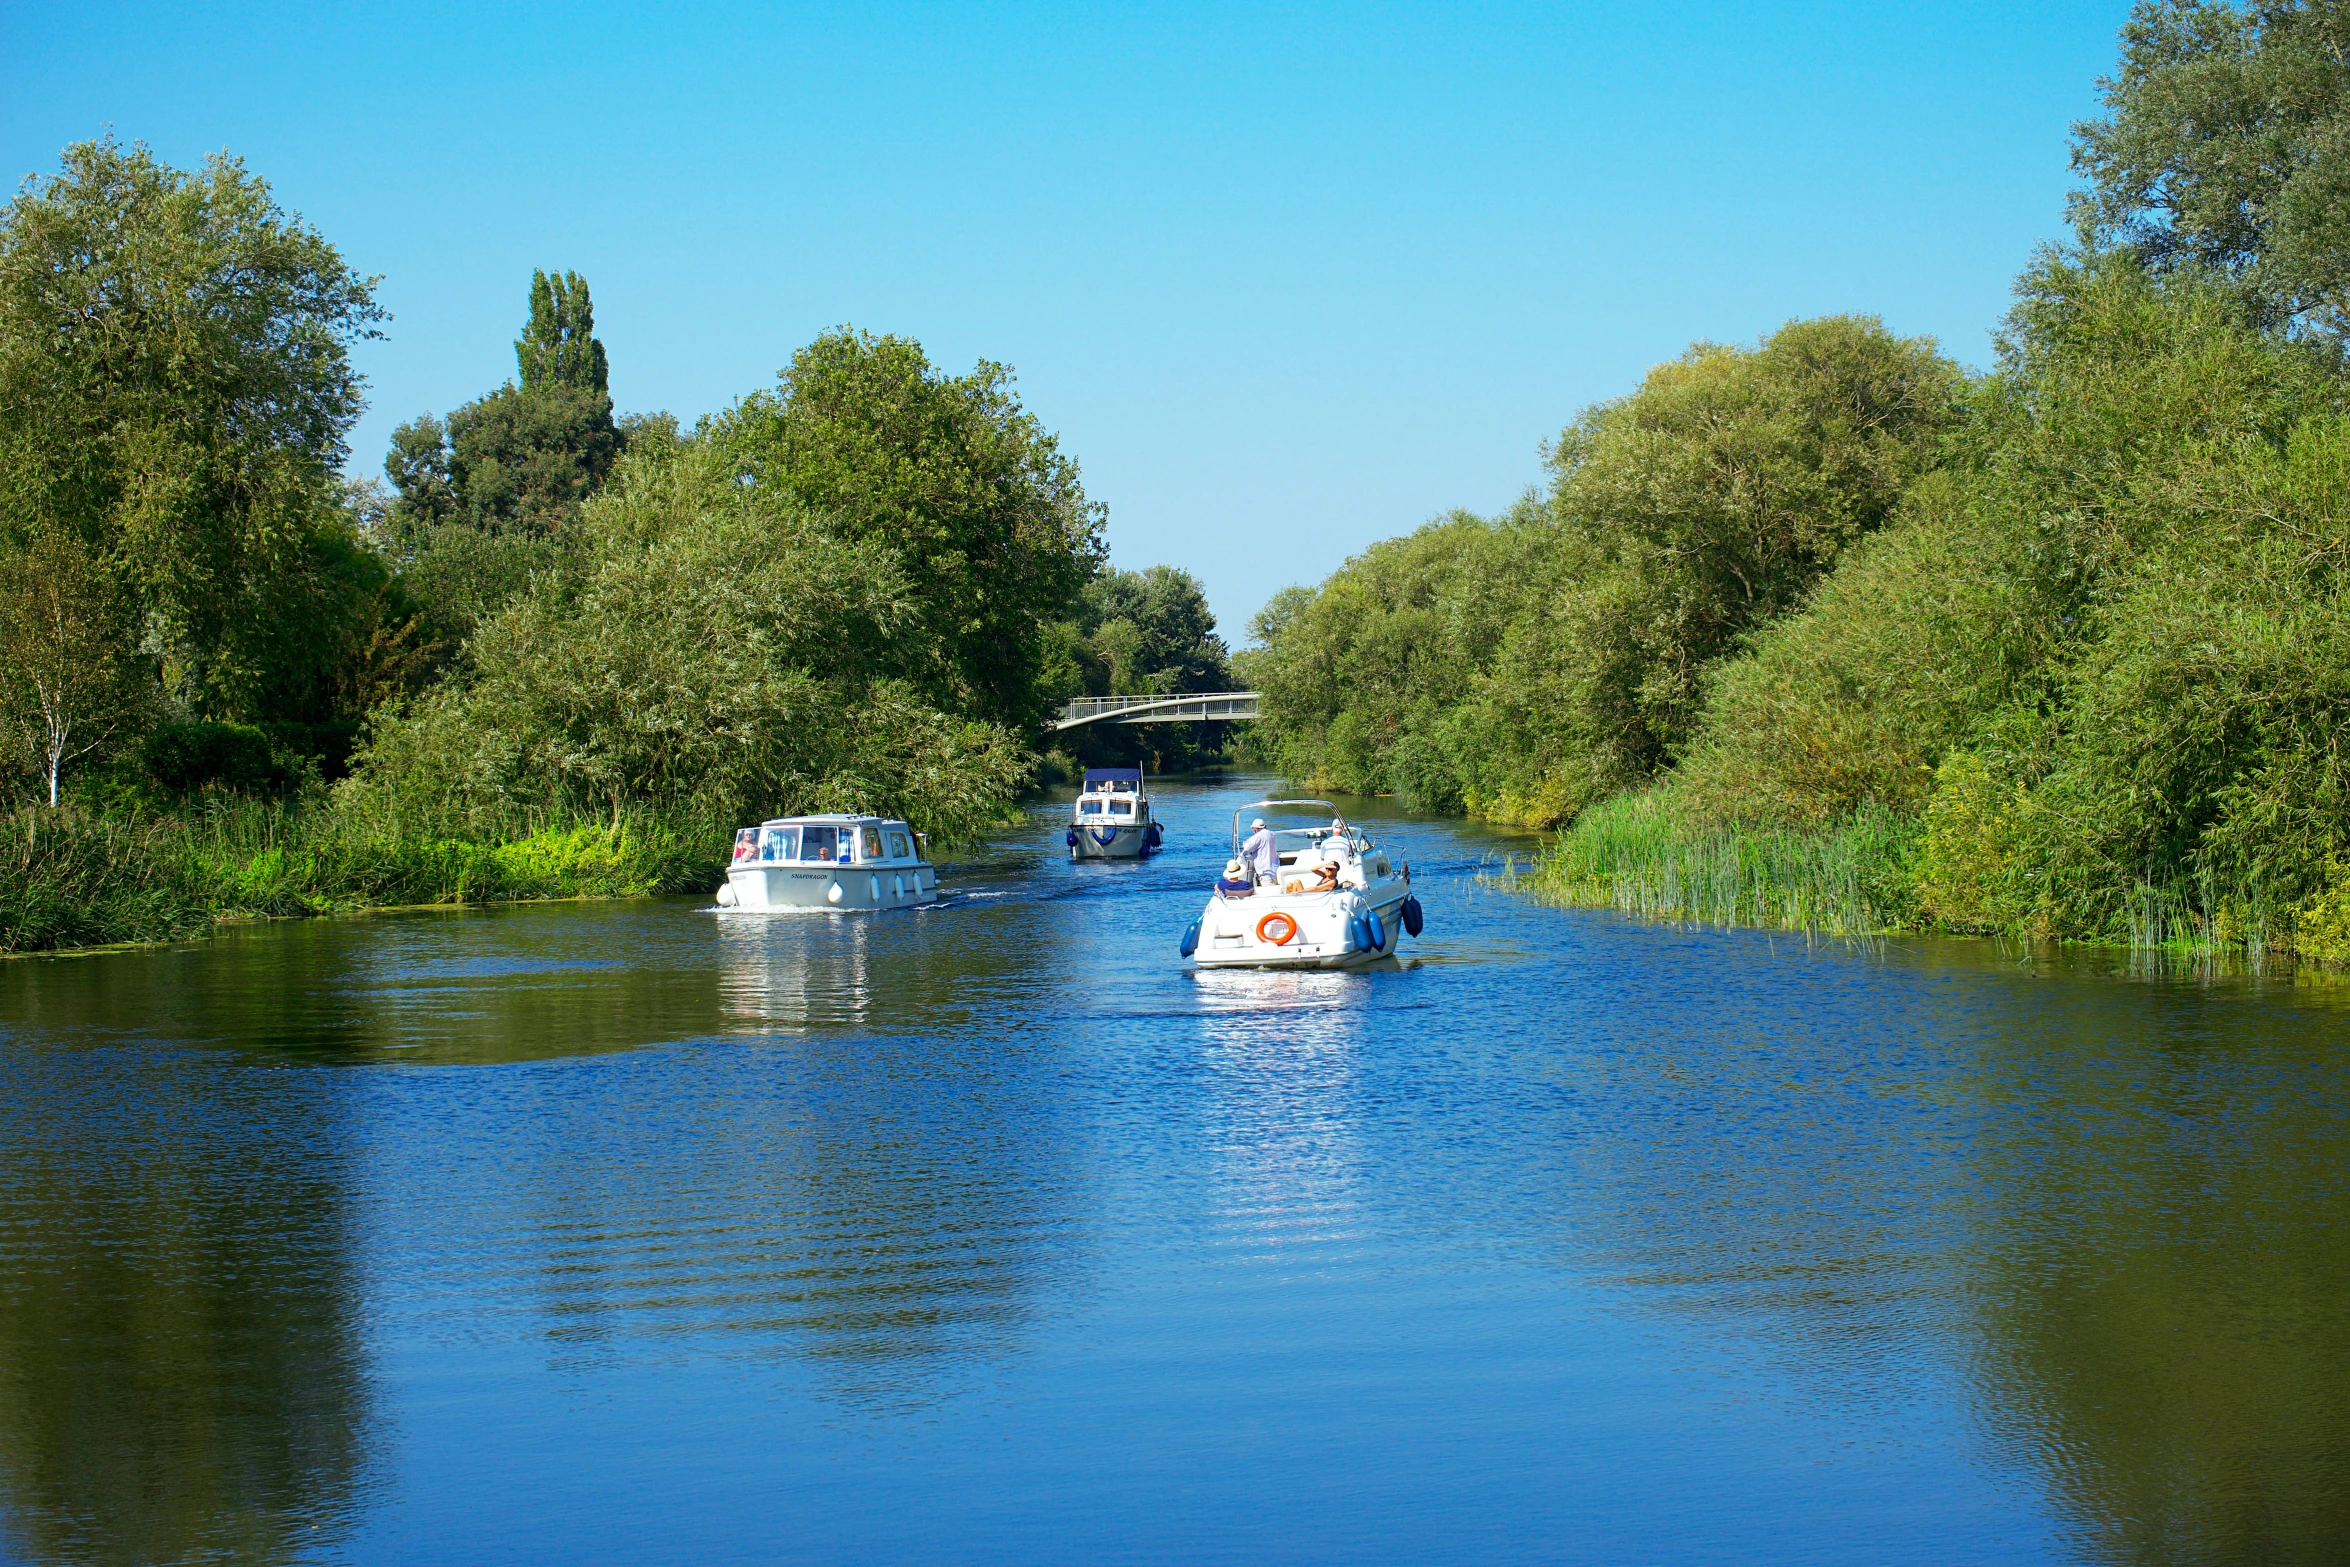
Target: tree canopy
(175,390)
(986,513)
(2226,147)
(558,346)
(1523,666)
(523,458)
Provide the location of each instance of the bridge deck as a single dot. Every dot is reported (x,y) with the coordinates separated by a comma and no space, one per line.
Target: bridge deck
(1183,709)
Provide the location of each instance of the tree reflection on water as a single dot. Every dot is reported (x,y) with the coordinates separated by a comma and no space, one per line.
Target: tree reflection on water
(180,1371)
(2166,1269)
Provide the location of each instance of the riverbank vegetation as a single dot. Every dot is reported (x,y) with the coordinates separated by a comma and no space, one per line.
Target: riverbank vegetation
(562,653)
(1825,632)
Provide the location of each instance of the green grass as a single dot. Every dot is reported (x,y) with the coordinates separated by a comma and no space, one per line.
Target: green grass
(73,878)
(1638,854)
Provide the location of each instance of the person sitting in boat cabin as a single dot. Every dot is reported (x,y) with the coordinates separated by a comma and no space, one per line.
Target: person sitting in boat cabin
(1263,852)
(1235,882)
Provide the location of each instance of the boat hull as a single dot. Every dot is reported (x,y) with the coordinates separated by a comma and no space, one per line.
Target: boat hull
(1109,843)
(1327,936)
(771,888)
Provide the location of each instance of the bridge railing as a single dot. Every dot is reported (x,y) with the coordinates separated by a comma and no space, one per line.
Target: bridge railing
(1190,707)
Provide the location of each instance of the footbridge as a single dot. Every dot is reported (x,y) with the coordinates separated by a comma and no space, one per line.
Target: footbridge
(1192,708)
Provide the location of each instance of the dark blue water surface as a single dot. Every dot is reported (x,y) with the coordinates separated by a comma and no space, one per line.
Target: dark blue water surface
(627,1232)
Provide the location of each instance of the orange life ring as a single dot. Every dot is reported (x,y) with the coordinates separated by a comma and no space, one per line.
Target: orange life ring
(1288,929)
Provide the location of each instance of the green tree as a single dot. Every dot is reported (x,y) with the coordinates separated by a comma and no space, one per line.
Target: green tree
(418,467)
(527,459)
(1523,667)
(985,513)
(558,345)
(1138,633)
(175,388)
(1152,631)
(709,649)
(2226,147)
(523,458)
(68,680)
(1728,484)
(481,499)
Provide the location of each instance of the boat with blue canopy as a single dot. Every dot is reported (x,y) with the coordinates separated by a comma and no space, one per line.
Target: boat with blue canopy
(1111,817)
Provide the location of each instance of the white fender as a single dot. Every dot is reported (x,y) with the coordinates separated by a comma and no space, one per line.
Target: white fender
(726,898)
(832,893)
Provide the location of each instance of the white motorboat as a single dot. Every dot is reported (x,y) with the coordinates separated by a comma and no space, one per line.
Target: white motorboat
(828,862)
(1111,819)
(1338,901)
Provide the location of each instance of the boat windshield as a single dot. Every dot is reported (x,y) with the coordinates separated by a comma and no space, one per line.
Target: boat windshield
(1290,838)
(779,843)
(827,845)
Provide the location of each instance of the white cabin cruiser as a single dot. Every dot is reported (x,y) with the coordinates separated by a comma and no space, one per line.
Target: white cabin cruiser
(828,862)
(1335,900)
(1111,819)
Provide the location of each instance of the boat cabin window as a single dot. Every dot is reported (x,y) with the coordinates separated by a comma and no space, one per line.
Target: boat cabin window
(872,843)
(1121,807)
(779,843)
(899,847)
(1089,807)
(827,845)
(746,844)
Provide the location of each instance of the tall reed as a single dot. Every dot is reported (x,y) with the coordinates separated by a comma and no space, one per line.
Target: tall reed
(1640,854)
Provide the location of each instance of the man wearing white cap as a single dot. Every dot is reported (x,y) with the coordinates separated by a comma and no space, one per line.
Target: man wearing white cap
(1262,852)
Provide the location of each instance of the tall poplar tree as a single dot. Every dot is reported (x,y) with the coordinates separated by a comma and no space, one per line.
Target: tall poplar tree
(559,345)
(524,458)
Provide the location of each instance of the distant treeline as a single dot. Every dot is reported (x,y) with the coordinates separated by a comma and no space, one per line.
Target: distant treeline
(1827,629)
(864,586)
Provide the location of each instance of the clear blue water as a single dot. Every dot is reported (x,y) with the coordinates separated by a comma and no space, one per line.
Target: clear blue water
(625,1232)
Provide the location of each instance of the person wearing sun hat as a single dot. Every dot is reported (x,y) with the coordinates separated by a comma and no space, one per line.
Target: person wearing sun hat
(1235,882)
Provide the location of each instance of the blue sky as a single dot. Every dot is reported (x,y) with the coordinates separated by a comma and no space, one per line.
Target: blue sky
(1286,280)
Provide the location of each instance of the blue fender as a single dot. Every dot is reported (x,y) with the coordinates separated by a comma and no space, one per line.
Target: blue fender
(1191,939)
(1070,837)
(1413,917)
(1378,931)
(1358,934)
(1156,837)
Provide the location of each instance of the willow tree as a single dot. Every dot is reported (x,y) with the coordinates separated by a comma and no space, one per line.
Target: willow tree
(2225,148)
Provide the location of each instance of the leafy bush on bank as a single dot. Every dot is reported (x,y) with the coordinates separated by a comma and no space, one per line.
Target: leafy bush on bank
(70,878)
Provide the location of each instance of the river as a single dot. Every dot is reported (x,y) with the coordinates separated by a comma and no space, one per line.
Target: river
(627,1232)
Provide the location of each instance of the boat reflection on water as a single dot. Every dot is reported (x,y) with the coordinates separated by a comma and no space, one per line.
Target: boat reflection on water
(844,1188)
(1283,1112)
(796,971)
